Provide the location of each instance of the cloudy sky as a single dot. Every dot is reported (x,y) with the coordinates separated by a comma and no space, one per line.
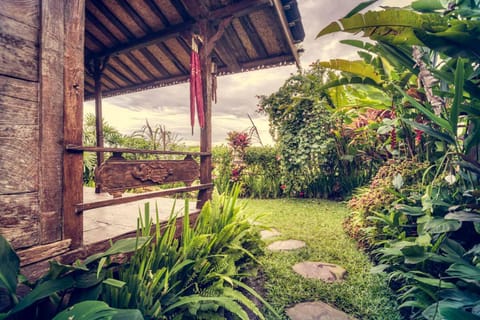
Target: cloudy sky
(236,93)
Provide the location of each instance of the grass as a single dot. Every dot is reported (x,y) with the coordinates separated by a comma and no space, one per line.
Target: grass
(319,224)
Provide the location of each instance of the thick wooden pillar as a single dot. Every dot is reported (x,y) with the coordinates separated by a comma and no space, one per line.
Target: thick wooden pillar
(74,22)
(206,132)
(97,75)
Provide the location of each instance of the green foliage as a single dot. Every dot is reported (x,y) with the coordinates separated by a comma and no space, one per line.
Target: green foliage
(258,172)
(60,288)
(316,153)
(197,275)
(427,240)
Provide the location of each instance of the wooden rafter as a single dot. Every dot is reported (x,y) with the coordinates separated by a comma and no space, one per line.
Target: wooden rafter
(114,20)
(140,65)
(156,10)
(172,57)
(152,38)
(135,16)
(154,61)
(127,69)
(253,36)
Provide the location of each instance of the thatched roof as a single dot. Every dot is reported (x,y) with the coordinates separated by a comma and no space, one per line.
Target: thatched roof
(148,42)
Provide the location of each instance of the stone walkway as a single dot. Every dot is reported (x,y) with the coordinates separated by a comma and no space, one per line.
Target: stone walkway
(105,223)
(315,310)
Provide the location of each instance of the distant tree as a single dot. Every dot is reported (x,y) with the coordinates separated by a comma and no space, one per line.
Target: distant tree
(158,137)
(112,137)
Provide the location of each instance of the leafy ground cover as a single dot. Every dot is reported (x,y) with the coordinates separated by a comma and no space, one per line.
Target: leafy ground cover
(319,224)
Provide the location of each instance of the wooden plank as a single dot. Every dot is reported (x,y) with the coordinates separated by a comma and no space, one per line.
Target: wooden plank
(118,174)
(71,147)
(19,219)
(17,88)
(73,119)
(80,207)
(17,111)
(19,54)
(44,252)
(18,168)
(51,120)
(206,132)
(50,228)
(25,11)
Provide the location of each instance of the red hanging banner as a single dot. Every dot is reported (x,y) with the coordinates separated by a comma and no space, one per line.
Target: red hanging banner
(196,87)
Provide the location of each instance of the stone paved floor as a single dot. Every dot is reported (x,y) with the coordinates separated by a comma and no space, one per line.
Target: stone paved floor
(105,223)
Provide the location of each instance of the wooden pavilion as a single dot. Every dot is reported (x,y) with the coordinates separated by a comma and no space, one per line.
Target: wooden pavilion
(54,54)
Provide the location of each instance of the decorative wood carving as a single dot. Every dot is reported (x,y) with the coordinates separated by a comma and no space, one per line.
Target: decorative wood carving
(118,174)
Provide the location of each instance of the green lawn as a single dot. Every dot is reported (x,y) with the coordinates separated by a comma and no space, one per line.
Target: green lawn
(319,224)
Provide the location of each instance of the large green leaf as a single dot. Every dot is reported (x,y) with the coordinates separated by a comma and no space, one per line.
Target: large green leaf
(121,246)
(458,98)
(414,254)
(9,266)
(427,5)
(358,68)
(441,225)
(433,282)
(393,26)
(43,290)
(463,216)
(465,272)
(97,310)
(444,124)
(430,131)
(457,314)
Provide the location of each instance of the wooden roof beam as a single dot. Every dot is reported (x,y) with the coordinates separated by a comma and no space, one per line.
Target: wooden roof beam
(239,9)
(286,30)
(199,11)
(149,39)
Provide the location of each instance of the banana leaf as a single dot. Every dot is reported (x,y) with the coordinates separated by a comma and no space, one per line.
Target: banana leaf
(97,310)
(358,68)
(393,26)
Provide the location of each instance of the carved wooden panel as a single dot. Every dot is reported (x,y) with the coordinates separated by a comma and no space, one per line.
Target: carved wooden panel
(118,174)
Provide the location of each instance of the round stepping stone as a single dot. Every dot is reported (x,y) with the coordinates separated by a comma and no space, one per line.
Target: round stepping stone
(286,245)
(319,270)
(267,234)
(316,310)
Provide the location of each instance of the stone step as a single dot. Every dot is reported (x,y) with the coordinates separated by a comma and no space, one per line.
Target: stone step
(327,272)
(286,245)
(268,234)
(316,310)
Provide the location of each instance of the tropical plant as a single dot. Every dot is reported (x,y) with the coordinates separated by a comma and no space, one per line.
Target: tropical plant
(197,276)
(429,244)
(158,137)
(60,288)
